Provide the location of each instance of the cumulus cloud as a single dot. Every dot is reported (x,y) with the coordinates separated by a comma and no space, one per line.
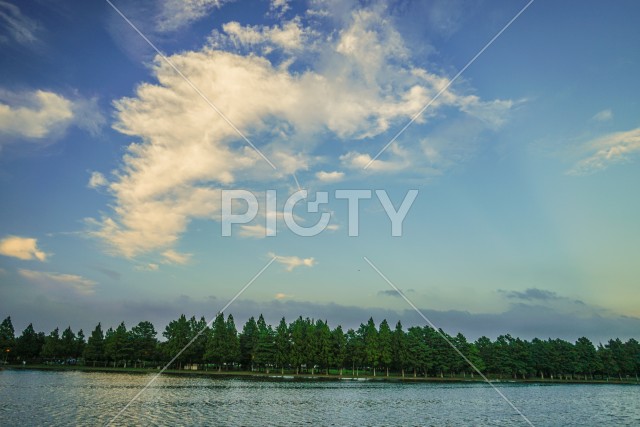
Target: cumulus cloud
(333,176)
(34,115)
(289,36)
(607,150)
(353,85)
(16,27)
(23,248)
(60,282)
(292,262)
(41,116)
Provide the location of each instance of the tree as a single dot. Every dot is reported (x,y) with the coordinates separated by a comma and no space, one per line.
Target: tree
(94,350)
(29,344)
(369,335)
(144,342)
(118,346)
(399,348)
(282,345)
(265,347)
(7,337)
(299,343)
(52,347)
(586,357)
(322,345)
(217,342)
(385,349)
(68,345)
(249,343)
(233,343)
(339,348)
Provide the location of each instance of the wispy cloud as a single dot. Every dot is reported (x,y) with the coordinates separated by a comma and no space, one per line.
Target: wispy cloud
(607,150)
(59,281)
(174,257)
(175,14)
(281,296)
(292,262)
(23,248)
(603,116)
(97,180)
(531,294)
(16,27)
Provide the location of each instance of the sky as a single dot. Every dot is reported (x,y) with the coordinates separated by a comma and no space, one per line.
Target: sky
(122,124)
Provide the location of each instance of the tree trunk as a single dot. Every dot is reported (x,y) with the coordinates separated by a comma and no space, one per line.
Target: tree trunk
(387,371)
(374,371)
(402,372)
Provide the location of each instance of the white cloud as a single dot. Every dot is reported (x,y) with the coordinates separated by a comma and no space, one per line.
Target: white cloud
(399,159)
(256,231)
(42,116)
(17,27)
(603,116)
(291,262)
(173,257)
(279,6)
(333,176)
(289,36)
(97,180)
(58,281)
(23,248)
(34,115)
(175,14)
(354,85)
(606,150)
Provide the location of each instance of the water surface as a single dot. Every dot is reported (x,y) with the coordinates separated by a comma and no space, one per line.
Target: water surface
(93,398)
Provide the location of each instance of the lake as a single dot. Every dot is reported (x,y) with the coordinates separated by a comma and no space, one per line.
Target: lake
(93,398)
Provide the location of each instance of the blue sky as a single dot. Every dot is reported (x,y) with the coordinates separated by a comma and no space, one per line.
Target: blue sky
(111,164)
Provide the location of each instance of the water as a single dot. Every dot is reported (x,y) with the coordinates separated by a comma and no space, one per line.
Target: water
(85,398)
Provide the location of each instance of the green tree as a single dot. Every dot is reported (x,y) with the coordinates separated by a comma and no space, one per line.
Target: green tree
(68,344)
(7,338)
(178,334)
(233,343)
(94,350)
(217,342)
(265,347)
(322,345)
(399,348)
(282,345)
(369,335)
(385,349)
(586,357)
(144,342)
(249,343)
(339,348)
(52,346)
(29,344)
(118,346)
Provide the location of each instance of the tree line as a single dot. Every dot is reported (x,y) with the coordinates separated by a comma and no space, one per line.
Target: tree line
(311,346)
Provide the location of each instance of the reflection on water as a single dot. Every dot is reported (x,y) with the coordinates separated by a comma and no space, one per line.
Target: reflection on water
(83,398)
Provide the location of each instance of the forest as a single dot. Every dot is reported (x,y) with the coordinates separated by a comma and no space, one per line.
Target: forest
(311,347)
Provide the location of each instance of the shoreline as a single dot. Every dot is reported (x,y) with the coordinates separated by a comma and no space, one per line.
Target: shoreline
(276,376)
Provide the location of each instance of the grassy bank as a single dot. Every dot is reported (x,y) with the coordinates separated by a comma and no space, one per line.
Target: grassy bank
(315,377)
